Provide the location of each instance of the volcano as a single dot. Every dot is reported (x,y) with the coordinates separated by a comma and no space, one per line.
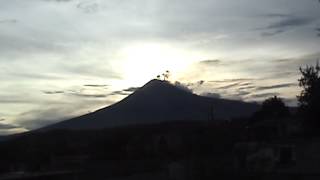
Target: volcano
(156,102)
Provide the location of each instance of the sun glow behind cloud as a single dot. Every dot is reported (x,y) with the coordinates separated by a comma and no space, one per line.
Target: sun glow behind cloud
(145,61)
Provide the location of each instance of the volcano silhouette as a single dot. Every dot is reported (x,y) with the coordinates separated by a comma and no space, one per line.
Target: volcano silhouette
(156,102)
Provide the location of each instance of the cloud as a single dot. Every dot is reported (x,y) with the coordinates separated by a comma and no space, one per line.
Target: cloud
(7,126)
(125,92)
(82,91)
(286,23)
(273,33)
(250,87)
(59,1)
(131,89)
(230,85)
(212,95)
(232,80)
(239,83)
(242,93)
(276,15)
(53,92)
(86,49)
(43,116)
(256,77)
(88,7)
(290,22)
(264,95)
(285,85)
(122,93)
(10,99)
(318,31)
(32,76)
(183,86)
(210,62)
(96,85)
(8,21)
(89,95)
(50,113)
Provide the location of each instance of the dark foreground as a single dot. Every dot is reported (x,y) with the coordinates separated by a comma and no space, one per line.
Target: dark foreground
(186,150)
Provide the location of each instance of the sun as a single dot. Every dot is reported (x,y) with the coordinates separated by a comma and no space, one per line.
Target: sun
(143,62)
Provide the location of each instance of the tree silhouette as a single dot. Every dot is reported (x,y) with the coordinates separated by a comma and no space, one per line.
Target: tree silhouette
(272,107)
(309,98)
(166,75)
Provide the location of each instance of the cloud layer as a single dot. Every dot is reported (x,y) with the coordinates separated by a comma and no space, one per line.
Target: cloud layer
(62,58)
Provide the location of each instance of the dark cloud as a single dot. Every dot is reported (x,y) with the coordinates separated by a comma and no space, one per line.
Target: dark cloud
(264,95)
(88,7)
(286,23)
(189,87)
(212,95)
(193,85)
(185,87)
(288,60)
(9,21)
(240,84)
(211,62)
(125,92)
(96,85)
(76,93)
(50,113)
(38,76)
(131,89)
(242,93)
(246,84)
(273,33)
(277,15)
(88,95)
(7,126)
(287,74)
(247,87)
(276,86)
(119,93)
(41,117)
(15,100)
(59,0)
(318,31)
(82,92)
(232,80)
(290,21)
(53,92)
(229,85)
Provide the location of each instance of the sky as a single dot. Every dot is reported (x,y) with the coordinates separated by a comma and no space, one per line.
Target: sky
(63,58)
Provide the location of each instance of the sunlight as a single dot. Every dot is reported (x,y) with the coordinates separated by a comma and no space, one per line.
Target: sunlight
(145,61)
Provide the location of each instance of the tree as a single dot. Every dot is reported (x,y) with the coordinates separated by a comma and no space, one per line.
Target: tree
(309,98)
(272,107)
(166,75)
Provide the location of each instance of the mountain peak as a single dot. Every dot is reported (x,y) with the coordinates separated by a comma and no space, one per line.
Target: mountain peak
(158,101)
(156,83)
(158,89)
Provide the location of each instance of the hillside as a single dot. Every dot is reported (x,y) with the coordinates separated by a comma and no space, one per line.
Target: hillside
(156,102)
